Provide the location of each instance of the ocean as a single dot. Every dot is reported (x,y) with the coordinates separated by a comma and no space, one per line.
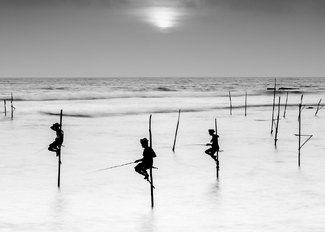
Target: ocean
(260,186)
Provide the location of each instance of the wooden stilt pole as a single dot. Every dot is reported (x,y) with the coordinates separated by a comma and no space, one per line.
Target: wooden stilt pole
(217,157)
(285,107)
(59,154)
(5,106)
(230,103)
(12,106)
(299,128)
(277,124)
(151,176)
(299,133)
(318,108)
(273,106)
(246,104)
(179,113)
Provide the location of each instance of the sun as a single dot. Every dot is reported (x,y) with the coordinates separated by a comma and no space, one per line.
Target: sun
(163,17)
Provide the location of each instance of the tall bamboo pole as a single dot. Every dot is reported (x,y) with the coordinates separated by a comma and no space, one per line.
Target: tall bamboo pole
(151,176)
(299,133)
(5,106)
(179,113)
(285,107)
(217,158)
(59,154)
(277,124)
(273,106)
(318,107)
(12,106)
(246,104)
(230,103)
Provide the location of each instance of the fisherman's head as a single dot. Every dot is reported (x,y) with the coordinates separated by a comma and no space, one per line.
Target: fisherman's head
(144,142)
(211,131)
(55,126)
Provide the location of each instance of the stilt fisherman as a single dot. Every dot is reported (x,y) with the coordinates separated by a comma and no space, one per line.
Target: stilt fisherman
(214,144)
(146,161)
(56,145)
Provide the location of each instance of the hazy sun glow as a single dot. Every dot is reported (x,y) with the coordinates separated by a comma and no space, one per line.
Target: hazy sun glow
(163,17)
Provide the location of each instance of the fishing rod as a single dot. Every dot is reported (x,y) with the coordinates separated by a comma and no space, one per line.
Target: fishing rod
(116,166)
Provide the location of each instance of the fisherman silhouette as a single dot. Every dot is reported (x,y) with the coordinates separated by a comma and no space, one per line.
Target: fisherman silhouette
(146,161)
(55,146)
(214,144)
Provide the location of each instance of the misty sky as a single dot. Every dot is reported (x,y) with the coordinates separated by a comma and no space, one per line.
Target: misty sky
(162,38)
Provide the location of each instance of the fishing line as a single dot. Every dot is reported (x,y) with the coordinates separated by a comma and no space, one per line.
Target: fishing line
(116,166)
(39,151)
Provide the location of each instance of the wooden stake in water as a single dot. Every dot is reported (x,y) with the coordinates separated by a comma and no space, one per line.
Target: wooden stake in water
(318,108)
(246,104)
(285,107)
(277,124)
(217,157)
(299,132)
(151,176)
(179,114)
(5,106)
(230,103)
(12,106)
(273,106)
(59,154)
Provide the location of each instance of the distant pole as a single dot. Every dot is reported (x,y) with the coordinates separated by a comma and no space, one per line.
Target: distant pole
(12,106)
(179,113)
(273,106)
(318,108)
(246,104)
(217,158)
(277,124)
(59,155)
(150,134)
(151,176)
(5,106)
(299,133)
(285,107)
(230,103)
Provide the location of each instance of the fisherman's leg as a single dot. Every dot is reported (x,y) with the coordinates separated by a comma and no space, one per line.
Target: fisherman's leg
(146,175)
(213,155)
(209,151)
(139,169)
(52,147)
(145,168)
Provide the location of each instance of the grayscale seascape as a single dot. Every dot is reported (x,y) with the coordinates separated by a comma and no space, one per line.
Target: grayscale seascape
(260,186)
(116,70)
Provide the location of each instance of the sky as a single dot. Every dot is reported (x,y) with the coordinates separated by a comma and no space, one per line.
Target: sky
(162,38)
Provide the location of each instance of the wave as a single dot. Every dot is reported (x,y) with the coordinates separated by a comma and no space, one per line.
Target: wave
(78,113)
(87,91)
(54,88)
(66,96)
(114,114)
(164,89)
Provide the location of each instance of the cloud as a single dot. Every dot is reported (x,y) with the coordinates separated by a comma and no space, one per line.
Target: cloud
(273,5)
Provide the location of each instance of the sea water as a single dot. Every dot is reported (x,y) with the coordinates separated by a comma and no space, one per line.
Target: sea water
(260,185)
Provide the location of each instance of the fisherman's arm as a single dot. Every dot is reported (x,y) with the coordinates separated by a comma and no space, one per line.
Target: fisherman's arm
(138,160)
